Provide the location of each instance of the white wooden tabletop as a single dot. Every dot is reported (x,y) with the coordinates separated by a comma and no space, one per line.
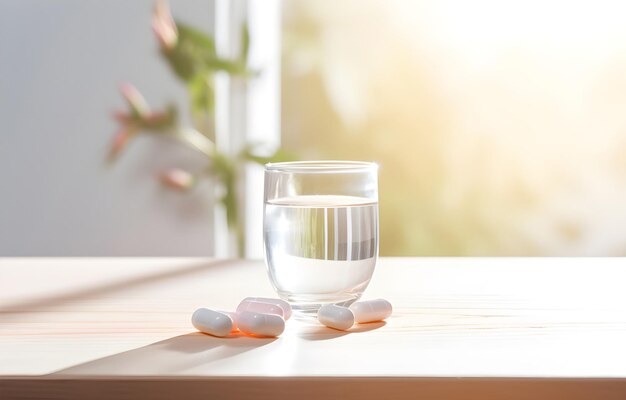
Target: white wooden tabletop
(467,328)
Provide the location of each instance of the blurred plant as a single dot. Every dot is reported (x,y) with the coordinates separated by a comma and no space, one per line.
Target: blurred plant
(192,57)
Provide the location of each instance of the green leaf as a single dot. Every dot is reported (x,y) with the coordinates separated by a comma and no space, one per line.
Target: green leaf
(202,94)
(280,155)
(182,65)
(229,200)
(231,67)
(223,168)
(195,36)
(245,45)
(192,54)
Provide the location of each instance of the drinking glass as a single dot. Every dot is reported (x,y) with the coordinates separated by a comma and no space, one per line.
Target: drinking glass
(320,231)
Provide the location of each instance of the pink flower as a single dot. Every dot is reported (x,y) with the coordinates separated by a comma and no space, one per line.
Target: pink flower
(135,100)
(122,117)
(164,26)
(119,141)
(178,179)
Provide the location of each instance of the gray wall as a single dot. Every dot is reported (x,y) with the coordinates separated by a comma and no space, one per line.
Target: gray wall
(61,63)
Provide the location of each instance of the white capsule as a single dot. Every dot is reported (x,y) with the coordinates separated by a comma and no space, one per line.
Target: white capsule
(336,317)
(277,302)
(216,323)
(260,307)
(257,324)
(371,310)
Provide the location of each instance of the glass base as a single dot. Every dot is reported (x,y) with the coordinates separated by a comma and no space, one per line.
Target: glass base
(306,307)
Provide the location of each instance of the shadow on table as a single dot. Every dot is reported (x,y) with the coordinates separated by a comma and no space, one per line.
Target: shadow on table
(43,303)
(325,333)
(169,357)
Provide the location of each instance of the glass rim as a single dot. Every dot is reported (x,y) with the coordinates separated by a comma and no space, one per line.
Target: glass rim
(322,166)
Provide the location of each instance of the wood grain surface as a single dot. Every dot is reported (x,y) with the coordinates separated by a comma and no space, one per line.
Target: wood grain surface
(462,328)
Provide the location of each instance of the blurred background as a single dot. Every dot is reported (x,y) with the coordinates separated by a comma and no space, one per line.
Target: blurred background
(61,63)
(499,126)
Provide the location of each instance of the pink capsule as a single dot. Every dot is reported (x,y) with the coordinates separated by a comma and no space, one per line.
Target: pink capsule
(277,302)
(259,307)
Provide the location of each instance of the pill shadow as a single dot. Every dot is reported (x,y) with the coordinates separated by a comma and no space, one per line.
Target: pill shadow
(169,357)
(325,333)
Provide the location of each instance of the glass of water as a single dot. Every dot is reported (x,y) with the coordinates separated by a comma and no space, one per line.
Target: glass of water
(320,231)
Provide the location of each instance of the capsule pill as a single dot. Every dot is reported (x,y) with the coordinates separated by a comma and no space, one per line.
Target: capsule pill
(277,302)
(260,307)
(336,317)
(216,323)
(371,310)
(257,324)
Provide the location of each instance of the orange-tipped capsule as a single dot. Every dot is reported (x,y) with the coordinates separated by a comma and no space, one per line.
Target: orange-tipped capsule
(257,324)
(371,310)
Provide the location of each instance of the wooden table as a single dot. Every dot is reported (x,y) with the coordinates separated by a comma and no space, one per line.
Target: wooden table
(462,328)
